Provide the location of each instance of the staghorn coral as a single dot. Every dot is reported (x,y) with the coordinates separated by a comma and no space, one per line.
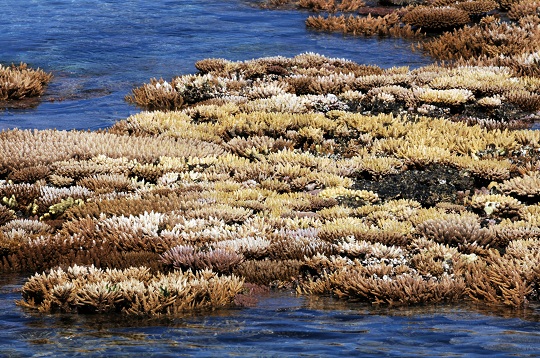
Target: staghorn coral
(30,227)
(387,25)
(528,185)
(452,229)
(29,174)
(476,7)
(499,280)
(350,195)
(156,94)
(18,82)
(24,148)
(436,18)
(523,99)
(522,9)
(496,205)
(266,272)
(331,5)
(491,38)
(186,257)
(6,214)
(401,289)
(489,169)
(106,183)
(131,291)
(450,97)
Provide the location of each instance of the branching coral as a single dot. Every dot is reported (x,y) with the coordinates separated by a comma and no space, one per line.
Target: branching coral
(306,172)
(527,185)
(491,38)
(391,288)
(453,229)
(19,81)
(156,94)
(5,214)
(500,280)
(186,257)
(132,291)
(313,83)
(496,205)
(435,18)
(476,7)
(359,25)
(331,5)
(522,9)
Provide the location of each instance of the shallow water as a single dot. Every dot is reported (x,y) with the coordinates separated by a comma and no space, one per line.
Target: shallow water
(280,324)
(98,51)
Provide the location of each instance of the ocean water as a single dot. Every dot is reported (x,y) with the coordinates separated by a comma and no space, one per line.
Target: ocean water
(98,51)
(279,325)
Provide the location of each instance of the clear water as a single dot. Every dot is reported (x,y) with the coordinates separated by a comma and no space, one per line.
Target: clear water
(98,51)
(280,325)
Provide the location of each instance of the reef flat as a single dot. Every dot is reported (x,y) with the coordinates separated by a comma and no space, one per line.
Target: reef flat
(390,186)
(247,182)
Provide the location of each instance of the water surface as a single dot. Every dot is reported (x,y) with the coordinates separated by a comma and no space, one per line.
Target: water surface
(280,324)
(99,50)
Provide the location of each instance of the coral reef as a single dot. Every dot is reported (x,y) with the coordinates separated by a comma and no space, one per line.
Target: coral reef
(19,82)
(311,173)
(457,30)
(133,291)
(487,95)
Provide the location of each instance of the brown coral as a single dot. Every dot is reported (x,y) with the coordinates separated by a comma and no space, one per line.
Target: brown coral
(454,229)
(436,18)
(527,185)
(155,95)
(476,7)
(131,291)
(19,81)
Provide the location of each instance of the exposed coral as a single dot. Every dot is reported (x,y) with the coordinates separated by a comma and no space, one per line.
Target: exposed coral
(522,9)
(18,82)
(304,172)
(387,25)
(491,38)
(527,185)
(331,5)
(6,214)
(495,204)
(476,7)
(435,18)
(133,291)
(453,229)
(186,257)
(156,94)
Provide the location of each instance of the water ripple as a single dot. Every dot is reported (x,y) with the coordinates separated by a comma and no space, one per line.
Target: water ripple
(100,50)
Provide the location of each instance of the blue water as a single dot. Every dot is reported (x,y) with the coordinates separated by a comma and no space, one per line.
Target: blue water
(281,324)
(98,51)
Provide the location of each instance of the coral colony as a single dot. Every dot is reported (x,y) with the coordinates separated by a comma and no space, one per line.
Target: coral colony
(390,186)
